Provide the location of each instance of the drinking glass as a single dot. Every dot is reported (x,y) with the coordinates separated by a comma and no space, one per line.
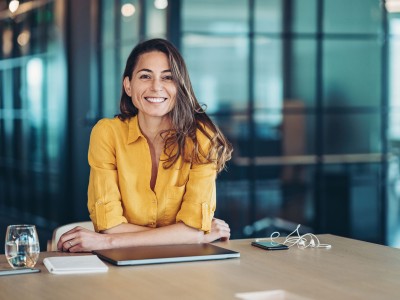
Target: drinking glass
(22,246)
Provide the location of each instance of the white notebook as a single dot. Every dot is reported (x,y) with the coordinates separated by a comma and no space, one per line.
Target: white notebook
(75,264)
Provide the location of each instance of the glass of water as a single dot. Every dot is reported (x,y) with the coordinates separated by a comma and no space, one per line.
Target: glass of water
(22,246)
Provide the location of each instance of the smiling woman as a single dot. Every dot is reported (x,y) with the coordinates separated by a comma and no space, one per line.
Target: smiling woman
(153,167)
(153,87)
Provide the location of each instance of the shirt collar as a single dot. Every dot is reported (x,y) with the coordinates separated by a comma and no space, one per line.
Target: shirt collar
(134,131)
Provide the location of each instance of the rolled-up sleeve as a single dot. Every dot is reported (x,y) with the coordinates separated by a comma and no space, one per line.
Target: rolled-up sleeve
(104,198)
(199,200)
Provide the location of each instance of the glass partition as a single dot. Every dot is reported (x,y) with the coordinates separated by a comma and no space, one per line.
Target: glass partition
(33,112)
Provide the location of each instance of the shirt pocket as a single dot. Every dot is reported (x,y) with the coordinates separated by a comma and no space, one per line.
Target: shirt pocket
(174,202)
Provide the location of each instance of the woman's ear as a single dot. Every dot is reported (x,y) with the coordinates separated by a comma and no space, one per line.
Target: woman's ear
(127,86)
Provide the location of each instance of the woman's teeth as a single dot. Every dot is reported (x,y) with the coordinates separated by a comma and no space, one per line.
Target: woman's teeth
(155,100)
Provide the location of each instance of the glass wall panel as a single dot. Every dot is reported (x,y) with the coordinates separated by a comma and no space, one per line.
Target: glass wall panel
(394,24)
(292,136)
(394,131)
(268,134)
(304,16)
(233,204)
(219,80)
(129,20)
(355,16)
(111,83)
(351,191)
(236,128)
(268,16)
(394,77)
(352,73)
(302,72)
(268,82)
(393,180)
(216,17)
(288,197)
(107,22)
(351,133)
(156,20)
(33,114)
(393,196)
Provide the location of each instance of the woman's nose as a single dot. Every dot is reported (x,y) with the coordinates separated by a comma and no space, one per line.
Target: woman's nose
(157,85)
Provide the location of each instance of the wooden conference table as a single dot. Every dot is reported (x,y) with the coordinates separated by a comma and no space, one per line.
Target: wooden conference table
(351,269)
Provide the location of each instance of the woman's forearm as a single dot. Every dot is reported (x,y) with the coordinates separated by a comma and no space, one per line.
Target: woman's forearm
(173,234)
(126,227)
(80,239)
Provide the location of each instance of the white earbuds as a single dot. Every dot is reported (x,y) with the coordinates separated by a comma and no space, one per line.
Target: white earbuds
(307,240)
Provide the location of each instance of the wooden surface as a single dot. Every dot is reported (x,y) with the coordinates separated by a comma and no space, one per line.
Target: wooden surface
(349,270)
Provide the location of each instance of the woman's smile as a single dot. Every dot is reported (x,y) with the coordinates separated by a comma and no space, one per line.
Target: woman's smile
(155,99)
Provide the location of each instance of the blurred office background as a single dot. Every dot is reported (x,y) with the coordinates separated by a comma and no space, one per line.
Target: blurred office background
(307,91)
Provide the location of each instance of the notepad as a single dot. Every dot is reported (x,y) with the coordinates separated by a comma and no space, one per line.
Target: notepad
(75,264)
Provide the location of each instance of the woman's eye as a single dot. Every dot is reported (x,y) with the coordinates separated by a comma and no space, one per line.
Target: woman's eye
(144,76)
(168,77)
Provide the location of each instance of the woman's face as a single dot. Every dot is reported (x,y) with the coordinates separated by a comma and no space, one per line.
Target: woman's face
(151,88)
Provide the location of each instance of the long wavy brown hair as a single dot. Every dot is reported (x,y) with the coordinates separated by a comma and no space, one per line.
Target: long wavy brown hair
(187,115)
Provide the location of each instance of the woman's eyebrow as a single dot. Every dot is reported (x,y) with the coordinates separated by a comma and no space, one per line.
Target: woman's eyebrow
(145,70)
(150,71)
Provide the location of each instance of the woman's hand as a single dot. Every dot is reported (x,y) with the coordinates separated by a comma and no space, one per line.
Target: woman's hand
(219,230)
(80,239)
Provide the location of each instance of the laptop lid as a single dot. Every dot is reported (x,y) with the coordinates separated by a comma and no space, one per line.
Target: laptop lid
(143,255)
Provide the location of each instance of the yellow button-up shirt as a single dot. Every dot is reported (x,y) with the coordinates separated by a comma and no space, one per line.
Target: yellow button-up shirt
(119,184)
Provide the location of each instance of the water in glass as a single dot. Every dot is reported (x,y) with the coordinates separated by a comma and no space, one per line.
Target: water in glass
(22,246)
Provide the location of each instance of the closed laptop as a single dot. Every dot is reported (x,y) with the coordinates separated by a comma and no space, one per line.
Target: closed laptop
(143,255)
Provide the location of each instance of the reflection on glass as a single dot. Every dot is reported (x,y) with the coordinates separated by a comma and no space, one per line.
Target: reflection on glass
(268,83)
(34,75)
(219,80)
(110,87)
(352,73)
(355,16)
(268,16)
(107,22)
(302,72)
(304,16)
(233,204)
(394,78)
(352,133)
(292,136)
(223,16)
(350,191)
